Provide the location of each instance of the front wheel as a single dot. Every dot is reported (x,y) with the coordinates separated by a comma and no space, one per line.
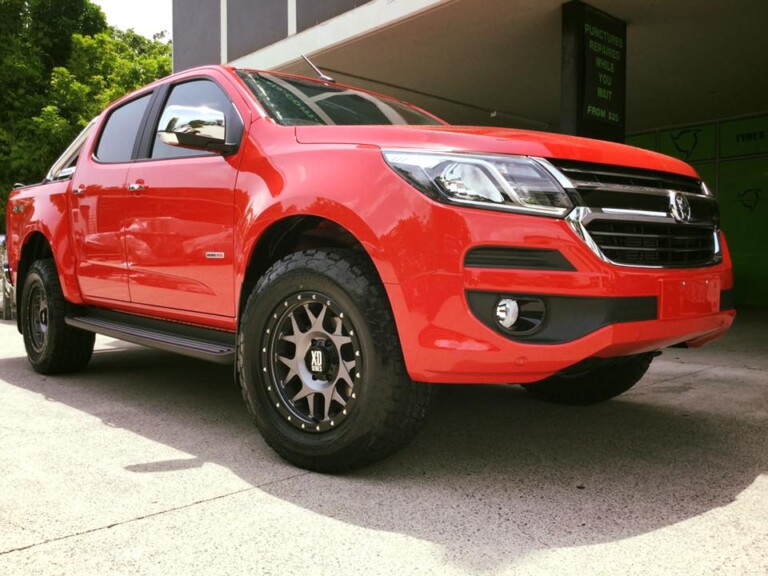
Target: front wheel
(607,380)
(53,347)
(320,363)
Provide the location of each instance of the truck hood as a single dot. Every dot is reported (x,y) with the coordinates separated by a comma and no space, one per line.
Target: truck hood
(494,141)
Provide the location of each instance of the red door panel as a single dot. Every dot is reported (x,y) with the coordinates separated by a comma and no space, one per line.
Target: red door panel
(98,208)
(179,234)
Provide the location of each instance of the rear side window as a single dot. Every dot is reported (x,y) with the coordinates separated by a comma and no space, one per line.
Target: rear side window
(188,105)
(119,134)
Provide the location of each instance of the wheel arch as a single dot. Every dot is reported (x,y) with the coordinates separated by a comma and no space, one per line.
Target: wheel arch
(35,247)
(294,233)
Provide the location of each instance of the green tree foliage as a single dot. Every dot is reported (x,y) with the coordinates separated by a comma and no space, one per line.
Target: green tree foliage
(52,23)
(60,65)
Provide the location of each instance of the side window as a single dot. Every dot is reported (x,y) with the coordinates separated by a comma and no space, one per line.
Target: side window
(119,134)
(64,167)
(190,107)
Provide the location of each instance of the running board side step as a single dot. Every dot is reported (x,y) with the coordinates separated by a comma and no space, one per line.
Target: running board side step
(203,343)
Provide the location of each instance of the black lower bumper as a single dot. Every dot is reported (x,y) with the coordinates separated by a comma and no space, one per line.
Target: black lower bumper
(562,319)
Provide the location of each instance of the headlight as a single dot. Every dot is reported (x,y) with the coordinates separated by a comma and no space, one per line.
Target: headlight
(705,189)
(514,183)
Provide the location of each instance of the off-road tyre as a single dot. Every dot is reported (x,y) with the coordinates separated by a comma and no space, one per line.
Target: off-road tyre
(53,347)
(602,383)
(384,407)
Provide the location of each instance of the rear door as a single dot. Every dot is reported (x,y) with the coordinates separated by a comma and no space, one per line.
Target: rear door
(98,198)
(180,216)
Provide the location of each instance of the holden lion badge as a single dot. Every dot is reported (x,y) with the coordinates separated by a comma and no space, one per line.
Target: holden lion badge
(679,207)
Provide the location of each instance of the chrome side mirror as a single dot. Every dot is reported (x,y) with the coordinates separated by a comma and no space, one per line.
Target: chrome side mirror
(196,128)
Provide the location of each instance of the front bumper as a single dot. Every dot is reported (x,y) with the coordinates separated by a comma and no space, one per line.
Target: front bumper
(594,308)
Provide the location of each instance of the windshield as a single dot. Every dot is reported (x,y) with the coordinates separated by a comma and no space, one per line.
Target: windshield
(295,102)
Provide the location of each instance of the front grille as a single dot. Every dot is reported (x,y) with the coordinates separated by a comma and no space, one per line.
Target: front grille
(654,244)
(606,176)
(628,213)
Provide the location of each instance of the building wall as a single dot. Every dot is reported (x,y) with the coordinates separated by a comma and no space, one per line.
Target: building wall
(196,33)
(250,26)
(254,24)
(311,12)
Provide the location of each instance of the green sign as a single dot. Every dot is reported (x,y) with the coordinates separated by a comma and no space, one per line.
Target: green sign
(744,214)
(594,73)
(692,143)
(605,54)
(744,137)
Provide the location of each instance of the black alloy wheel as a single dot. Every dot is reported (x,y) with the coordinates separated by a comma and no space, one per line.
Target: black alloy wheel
(53,347)
(313,359)
(36,317)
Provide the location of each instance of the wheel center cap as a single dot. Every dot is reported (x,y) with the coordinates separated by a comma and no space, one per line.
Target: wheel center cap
(317,360)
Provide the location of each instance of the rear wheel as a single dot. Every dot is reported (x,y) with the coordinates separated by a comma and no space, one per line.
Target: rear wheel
(52,346)
(320,363)
(607,380)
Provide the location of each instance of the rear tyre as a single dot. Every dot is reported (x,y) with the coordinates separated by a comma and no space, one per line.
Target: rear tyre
(321,367)
(52,346)
(608,380)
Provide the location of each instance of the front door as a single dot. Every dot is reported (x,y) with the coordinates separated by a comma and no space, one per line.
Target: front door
(180,223)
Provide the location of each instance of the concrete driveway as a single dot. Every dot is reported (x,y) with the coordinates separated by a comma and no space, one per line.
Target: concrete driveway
(146,463)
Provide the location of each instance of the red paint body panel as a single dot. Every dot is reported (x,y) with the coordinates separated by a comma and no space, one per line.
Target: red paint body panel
(494,141)
(98,229)
(144,253)
(179,234)
(43,210)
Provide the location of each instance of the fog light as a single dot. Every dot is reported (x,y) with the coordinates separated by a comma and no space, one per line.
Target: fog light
(507,312)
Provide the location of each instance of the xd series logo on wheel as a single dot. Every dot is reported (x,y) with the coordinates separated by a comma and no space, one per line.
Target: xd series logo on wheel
(316,360)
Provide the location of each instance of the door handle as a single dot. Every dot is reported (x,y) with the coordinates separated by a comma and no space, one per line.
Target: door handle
(137,187)
(79,190)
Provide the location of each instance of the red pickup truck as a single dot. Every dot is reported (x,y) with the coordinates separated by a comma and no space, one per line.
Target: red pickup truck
(344,251)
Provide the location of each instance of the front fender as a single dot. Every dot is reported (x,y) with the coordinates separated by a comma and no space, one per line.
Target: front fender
(352,187)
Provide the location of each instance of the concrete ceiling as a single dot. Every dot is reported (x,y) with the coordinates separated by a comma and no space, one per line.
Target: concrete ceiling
(688,61)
